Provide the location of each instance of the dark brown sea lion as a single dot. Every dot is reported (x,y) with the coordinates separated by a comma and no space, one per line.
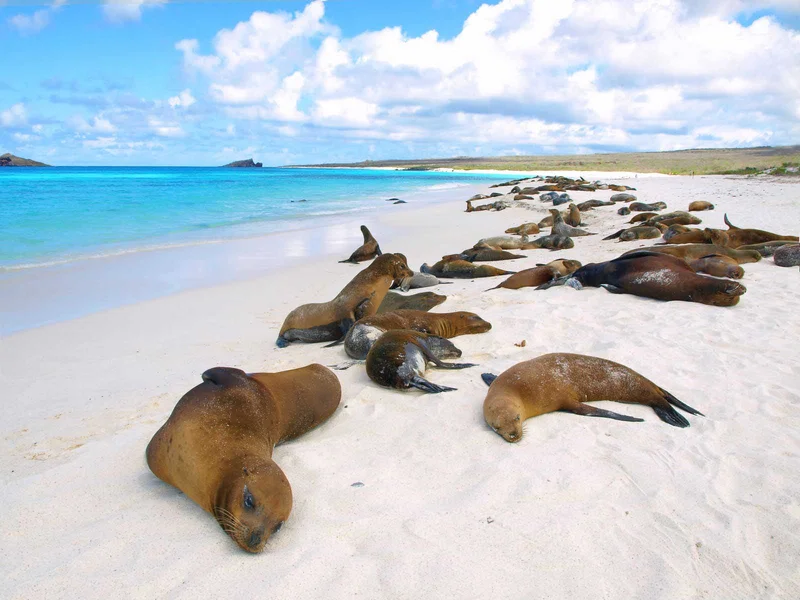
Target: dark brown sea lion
(641,217)
(694,251)
(657,276)
(538,275)
(766,248)
(635,233)
(367,251)
(787,256)
(329,321)
(485,254)
(718,266)
(565,382)
(644,207)
(624,211)
(698,205)
(447,325)
(461,269)
(735,236)
(399,357)
(561,228)
(524,229)
(550,242)
(216,447)
(590,204)
(422,301)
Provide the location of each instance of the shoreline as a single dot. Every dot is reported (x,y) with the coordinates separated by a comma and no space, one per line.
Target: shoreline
(646,510)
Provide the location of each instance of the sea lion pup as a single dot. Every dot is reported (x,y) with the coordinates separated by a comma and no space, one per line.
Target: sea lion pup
(787,256)
(657,276)
(538,275)
(573,217)
(674,230)
(644,207)
(692,236)
(551,242)
(698,205)
(329,321)
(677,217)
(399,357)
(561,228)
(590,204)
(365,332)
(635,233)
(420,280)
(216,447)
(461,269)
(422,301)
(737,236)
(641,217)
(622,197)
(367,251)
(624,211)
(565,382)
(483,253)
(718,266)
(690,252)
(524,229)
(503,242)
(766,249)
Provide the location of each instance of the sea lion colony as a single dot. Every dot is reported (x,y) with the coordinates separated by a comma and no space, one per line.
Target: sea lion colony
(216,446)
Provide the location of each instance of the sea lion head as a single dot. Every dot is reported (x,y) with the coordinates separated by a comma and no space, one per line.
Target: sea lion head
(253,504)
(504,414)
(725,293)
(716,236)
(394,264)
(440,347)
(466,322)
(565,266)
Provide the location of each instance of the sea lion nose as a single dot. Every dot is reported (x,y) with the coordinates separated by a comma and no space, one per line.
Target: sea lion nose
(255,538)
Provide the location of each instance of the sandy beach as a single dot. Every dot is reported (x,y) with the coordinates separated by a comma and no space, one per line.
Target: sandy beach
(581,508)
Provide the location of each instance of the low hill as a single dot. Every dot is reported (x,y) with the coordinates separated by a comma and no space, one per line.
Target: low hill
(246,164)
(680,162)
(9,160)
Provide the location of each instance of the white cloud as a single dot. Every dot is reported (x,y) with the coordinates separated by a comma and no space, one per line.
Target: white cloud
(184,99)
(98,124)
(15,116)
(165,129)
(35,22)
(25,137)
(119,11)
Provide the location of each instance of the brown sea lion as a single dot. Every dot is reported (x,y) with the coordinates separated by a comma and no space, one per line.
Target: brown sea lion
(693,236)
(524,229)
(641,217)
(674,230)
(657,276)
(735,236)
(550,242)
(216,447)
(329,321)
(503,242)
(461,269)
(677,217)
(538,275)
(635,233)
(644,207)
(766,248)
(447,325)
(484,254)
(422,301)
(690,252)
(565,382)
(367,251)
(591,204)
(398,359)
(573,217)
(622,197)
(698,205)
(718,266)
(620,188)
(561,228)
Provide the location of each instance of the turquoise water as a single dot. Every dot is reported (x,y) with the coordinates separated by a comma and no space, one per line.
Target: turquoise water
(63,214)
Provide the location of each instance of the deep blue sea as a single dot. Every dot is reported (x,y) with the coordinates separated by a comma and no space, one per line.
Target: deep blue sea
(61,214)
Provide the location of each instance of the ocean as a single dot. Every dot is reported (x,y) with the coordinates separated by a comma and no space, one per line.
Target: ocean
(77,240)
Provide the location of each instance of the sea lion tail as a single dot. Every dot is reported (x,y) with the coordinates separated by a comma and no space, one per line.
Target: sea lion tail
(426,386)
(225,376)
(336,343)
(728,223)
(675,402)
(614,236)
(488,378)
(349,260)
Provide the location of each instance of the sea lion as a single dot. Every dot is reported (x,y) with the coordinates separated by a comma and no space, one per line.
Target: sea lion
(573,217)
(787,256)
(216,447)
(718,266)
(677,217)
(693,236)
(422,301)
(622,197)
(367,251)
(735,236)
(398,359)
(699,205)
(329,321)
(674,230)
(624,211)
(657,276)
(690,252)
(565,382)
(538,275)
(551,242)
(635,233)
(562,199)
(419,280)
(365,332)
(641,217)
(561,228)
(524,229)
(461,269)
(590,204)
(504,242)
(485,253)
(644,207)
(620,188)
(766,249)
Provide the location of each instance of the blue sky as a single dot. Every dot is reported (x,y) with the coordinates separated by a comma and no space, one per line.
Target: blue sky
(153,82)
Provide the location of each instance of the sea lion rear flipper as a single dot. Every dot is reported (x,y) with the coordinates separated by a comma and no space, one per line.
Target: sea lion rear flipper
(729,224)
(592,411)
(675,402)
(336,343)
(426,386)
(281,342)
(612,288)
(345,365)
(349,260)
(488,378)
(669,415)
(378,251)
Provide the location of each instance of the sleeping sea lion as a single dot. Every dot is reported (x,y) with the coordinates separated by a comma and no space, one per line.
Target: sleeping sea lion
(635,233)
(561,228)
(735,236)
(677,217)
(698,205)
(216,447)
(590,204)
(718,266)
(485,253)
(524,229)
(422,301)
(461,269)
(398,359)
(419,280)
(622,197)
(504,242)
(644,207)
(641,217)
(674,230)
(538,275)
(690,252)
(367,251)
(329,321)
(693,236)
(766,248)
(787,256)
(624,211)
(551,242)
(565,382)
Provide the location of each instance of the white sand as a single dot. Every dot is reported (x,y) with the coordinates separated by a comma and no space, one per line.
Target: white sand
(582,508)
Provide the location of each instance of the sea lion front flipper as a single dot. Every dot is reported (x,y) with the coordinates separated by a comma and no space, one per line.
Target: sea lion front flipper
(592,411)
(426,386)
(488,378)
(612,288)
(362,310)
(336,343)
(554,282)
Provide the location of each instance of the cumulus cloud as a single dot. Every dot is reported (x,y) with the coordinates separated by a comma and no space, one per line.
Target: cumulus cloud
(650,74)
(15,116)
(119,11)
(98,124)
(184,99)
(35,22)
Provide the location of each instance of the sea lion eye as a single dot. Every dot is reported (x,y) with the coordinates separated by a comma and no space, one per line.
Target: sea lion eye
(516,418)
(247,499)
(277,527)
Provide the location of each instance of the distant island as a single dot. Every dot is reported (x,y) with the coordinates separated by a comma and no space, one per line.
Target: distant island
(779,160)
(245,164)
(9,160)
